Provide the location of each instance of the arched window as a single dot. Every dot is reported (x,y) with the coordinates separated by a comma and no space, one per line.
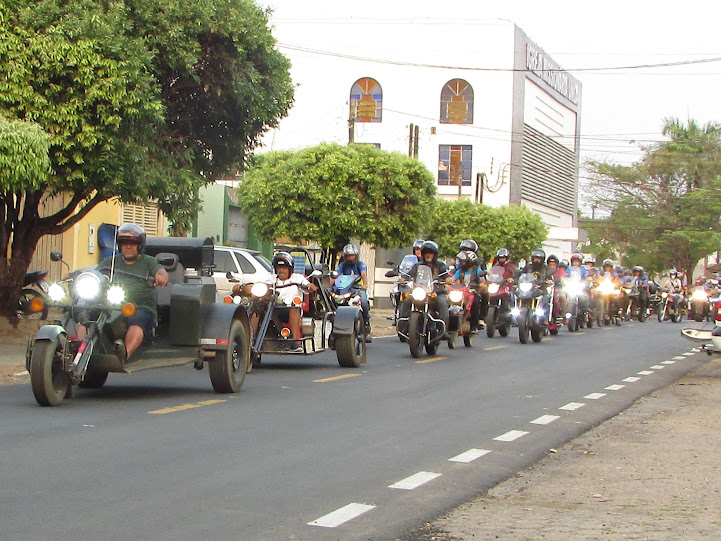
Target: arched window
(457,102)
(366,101)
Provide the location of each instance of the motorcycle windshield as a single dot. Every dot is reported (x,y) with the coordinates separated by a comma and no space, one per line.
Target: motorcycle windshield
(345,281)
(576,273)
(407,264)
(424,277)
(496,274)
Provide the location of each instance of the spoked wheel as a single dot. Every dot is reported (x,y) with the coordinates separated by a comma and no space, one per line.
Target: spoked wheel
(349,349)
(227,371)
(415,338)
(47,373)
(523,326)
(491,322)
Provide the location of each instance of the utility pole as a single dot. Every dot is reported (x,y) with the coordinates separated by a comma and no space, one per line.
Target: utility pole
(351,122)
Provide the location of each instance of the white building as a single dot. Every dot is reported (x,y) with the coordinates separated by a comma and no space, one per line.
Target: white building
(489,112)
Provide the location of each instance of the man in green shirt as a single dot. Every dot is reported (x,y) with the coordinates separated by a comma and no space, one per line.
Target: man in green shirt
(133,271)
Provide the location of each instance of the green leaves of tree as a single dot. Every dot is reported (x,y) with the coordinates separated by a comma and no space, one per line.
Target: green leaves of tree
(332,193)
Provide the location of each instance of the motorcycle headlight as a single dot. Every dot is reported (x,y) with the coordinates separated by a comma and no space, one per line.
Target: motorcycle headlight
(605,287)
(515,312)
(115,295)
(259,289)
(574,289)
(525,286)
(419,294)
(493,288)
(699,295)
(87,286)
(455,296)
(56,292)
(664,295)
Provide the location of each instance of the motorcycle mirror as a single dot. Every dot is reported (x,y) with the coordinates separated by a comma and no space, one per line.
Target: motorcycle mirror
(390,263)
(231,277)
(391,273)
(317,272)
(522,263)
(334,274)
(56,256)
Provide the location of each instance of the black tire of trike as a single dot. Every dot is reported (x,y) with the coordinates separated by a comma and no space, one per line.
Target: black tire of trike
(93,380)
(414,334)
(346,346)
(49,389)
(224,375)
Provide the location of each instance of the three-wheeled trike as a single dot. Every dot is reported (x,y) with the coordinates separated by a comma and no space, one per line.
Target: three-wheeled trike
(190,326)
(323,325)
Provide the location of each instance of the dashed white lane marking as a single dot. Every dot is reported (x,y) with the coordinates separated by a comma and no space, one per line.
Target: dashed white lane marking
(511,435)
(679,358)
(615,387)
(344,514)
(415,480)
(595,396)
(657,367)
(470,455)
(572,406)
(632,379)
(645,372)
(668,362)
(688,353)
(544,419)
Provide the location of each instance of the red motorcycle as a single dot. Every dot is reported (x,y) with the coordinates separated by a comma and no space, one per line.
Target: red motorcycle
(500,293)
(460,303)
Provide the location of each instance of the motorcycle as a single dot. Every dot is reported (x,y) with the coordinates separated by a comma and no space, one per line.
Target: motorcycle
(699,305)
(345,291)
(460,301)
(635,306)
(34,287)
(424,329)
(402,288)
(500,299)
(667,309)
(529,311)
(610,299)
(576,301)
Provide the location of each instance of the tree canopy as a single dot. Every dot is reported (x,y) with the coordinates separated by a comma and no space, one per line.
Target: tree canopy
(137,99)
(332,193)
(663,211)
(513,227)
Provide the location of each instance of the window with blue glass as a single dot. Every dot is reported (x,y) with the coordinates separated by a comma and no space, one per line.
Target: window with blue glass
(454,165)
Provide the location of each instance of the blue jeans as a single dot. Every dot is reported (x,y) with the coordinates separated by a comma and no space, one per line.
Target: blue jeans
(365,305)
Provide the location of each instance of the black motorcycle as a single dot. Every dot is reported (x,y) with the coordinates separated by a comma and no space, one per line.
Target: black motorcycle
(402,287)
(500,302)
(530,312)
(424,328)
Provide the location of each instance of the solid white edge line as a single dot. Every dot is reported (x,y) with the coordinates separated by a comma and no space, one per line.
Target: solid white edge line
(511,435)
(342,515)
(470,455)
(545,419)
(415,480)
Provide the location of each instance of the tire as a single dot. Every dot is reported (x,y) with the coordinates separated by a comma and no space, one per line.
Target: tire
(589,322)
(414,334)
(523,326)
(642,315)
(491,322)
(676,318)
(618,320)
(26,296)
(505,329)
(572,324)
(536,334)
(227,371)
(47,376)
(468,340)
(662,314)
(93,380)
(348,348)
(452,338)
(553,332)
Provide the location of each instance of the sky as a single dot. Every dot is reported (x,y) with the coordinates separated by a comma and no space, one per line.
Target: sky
(622,109)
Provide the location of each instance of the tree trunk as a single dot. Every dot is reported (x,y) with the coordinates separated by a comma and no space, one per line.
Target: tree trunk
(12,274)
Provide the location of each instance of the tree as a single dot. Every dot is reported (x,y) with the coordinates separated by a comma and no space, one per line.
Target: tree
(139,99)
(332,193)
(513,227)
(664,210)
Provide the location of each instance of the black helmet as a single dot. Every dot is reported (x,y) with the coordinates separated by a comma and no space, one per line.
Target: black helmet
(417,244)
(134,232)
(563,263)
(607,263)
(466,259)
(552,258)
(283,259)
(538,253)
(350,249)
(469,245)
(430,246)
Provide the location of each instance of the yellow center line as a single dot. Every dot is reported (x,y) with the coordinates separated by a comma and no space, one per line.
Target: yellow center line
(431,360)
(185,407)
(605,328)
(581,332)
(335,378)
(494,347)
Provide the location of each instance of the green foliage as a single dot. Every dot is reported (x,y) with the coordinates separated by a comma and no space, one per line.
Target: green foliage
(24,159)
(332,193)
(663,211)
(513,227)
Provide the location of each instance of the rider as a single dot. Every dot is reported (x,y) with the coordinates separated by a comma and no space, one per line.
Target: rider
(502,260)
(352,265)
(131,239)
(557,274)
(674,286)
(429,253)
(576,266)
(469,274)
(544,277)
(476,267)
(417,248)
(289,285)
(641,280)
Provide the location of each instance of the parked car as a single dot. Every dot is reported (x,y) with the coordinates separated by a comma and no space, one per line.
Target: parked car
(238,265)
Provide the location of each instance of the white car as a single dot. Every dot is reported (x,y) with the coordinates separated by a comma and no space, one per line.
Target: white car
(243,265)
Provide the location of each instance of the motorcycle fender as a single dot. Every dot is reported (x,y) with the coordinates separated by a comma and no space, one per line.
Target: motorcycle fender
(216,326)
(50,332)
(344,321)
(454,319)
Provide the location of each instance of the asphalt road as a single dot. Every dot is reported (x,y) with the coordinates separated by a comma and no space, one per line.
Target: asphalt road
(309,450)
